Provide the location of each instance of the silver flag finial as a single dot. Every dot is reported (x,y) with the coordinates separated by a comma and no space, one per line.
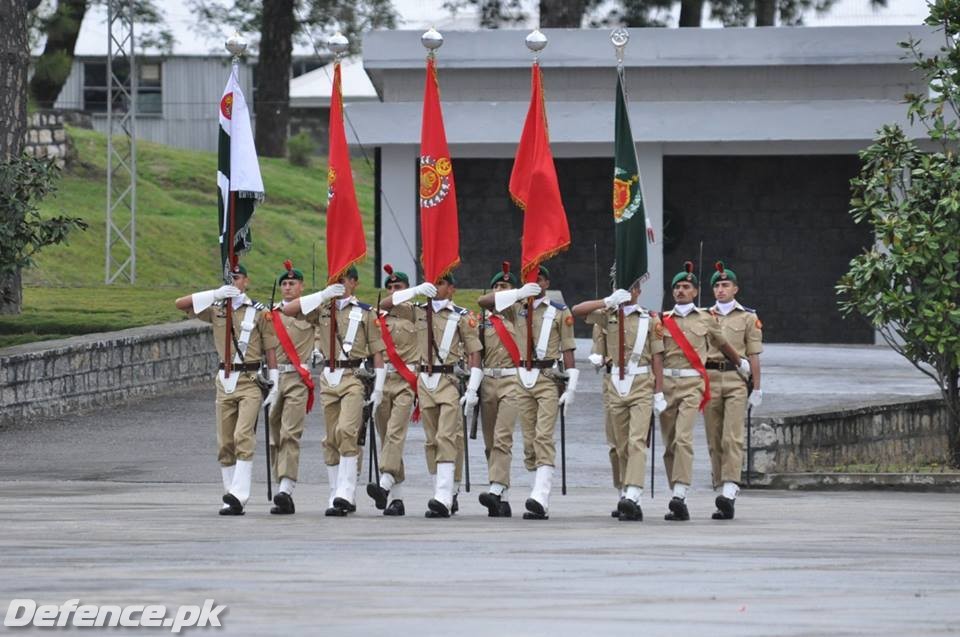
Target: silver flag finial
(236,45)
(619,37)
(431,39)
(338,44)
(536,41)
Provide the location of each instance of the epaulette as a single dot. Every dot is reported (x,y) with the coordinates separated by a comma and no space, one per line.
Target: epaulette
(460,310)
(364,306)
(559,306)
(258,305)
(748,309)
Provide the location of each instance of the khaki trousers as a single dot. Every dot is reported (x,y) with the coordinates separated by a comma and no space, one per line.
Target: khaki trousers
(342,414)
(676,424)
(237,420)
(442,420)
(611,440)
(287,416)
(724,419)
(630,424)
(499,407)
(537,408)
(393,419)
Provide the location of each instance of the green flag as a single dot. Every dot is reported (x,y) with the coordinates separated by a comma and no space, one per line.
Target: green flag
(629,216)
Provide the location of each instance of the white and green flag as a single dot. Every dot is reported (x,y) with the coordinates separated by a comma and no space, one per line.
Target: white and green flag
(239,185)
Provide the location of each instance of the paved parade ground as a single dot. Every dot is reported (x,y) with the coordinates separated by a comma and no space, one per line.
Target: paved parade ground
(120,507)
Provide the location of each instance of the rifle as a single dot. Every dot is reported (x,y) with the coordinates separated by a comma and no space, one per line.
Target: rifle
(466,441)
(266,414)
(652,445)
(374,468)
(562,382)
(749,428)
(483,352)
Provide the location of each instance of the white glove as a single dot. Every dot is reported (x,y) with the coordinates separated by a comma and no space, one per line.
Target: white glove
(311,302)
(274,388)
(376,396)
(506,298)
(429,290)
(566,399)
(316,358)
(470,397)
(756,398)
(744,368)
(659,403)
(616,299)
(596,360)
(203,300)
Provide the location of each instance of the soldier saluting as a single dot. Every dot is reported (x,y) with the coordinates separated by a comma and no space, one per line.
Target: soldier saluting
(729,395)
(345,343)
(239,397)
(688,331)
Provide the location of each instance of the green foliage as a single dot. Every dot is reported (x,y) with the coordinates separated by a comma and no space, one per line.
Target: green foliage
(300,149)
(908,285)
(24,231)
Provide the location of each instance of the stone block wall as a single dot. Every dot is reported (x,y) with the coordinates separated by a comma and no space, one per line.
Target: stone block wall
(46,136)
(912,433)
(49,379)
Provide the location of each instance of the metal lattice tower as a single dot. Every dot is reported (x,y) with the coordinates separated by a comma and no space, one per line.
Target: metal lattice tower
(122,79)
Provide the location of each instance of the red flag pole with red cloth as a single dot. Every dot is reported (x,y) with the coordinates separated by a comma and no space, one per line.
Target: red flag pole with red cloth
(535,189)
(346,242)
(439,224)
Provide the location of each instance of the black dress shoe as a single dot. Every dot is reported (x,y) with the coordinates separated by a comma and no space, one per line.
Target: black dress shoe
(345,505)
(535,510)
(629,511)
(379,495)
(335,512)
(437,509)
(724,508)
(283,504)
(678,510)
(233,505)
(616,512)
(493,504)
(455,506)
(505,511)
(395,508)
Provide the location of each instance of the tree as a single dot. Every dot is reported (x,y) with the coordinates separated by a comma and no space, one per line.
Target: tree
(908,284)
(61,29)
(280,24)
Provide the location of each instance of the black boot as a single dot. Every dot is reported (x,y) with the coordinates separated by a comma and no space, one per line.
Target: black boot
(455,506)
(724,508)
(535,511)
(283,504)
(493,504)
(234,507)
(437,509)
(505,511)
(616,512)
(335,512)
(344,505)
(678,510)
(395,508)
(629,511)
(379,495)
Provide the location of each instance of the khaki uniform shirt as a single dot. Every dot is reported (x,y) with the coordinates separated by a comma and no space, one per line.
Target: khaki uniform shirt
(465,340)
(300,331)
(495,354)
(367,341)
(741,328)
(608,321)
(262,336)
(701,330)
(401,322)
(561,332)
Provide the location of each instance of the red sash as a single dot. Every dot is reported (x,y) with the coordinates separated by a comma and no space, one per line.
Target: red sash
(690,353)
(399,364)
(291,352)
(506,339)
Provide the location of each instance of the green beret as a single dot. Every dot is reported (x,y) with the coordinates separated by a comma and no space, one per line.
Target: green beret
(289,272)
(722,274)
(448,277)
(686,275)
(544,272)
(393,276)
(239,269)
(351,273)
(504,274)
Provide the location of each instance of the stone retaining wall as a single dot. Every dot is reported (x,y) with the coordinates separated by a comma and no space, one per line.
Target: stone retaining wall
(912,433)
(39,380)
(46,136)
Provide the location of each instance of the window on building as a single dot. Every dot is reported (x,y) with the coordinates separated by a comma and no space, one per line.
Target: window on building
(96,89)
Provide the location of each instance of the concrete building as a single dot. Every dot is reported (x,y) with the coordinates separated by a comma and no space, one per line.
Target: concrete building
(747,141)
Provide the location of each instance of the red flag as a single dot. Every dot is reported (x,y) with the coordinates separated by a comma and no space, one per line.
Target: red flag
(535,189)
(439,228)
(346,243)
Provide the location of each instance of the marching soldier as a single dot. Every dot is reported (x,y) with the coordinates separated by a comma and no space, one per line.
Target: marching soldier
(688,330)
(498,402)
(354,338)
(630,399)
(538,397)
(729,395)
(454,337)
(398,332)
(599,362)
(239,397)
(295,398)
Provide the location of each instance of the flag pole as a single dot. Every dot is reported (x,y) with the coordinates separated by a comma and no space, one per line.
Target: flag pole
(536,41)
(619,38)
(236,45)
(339,45)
